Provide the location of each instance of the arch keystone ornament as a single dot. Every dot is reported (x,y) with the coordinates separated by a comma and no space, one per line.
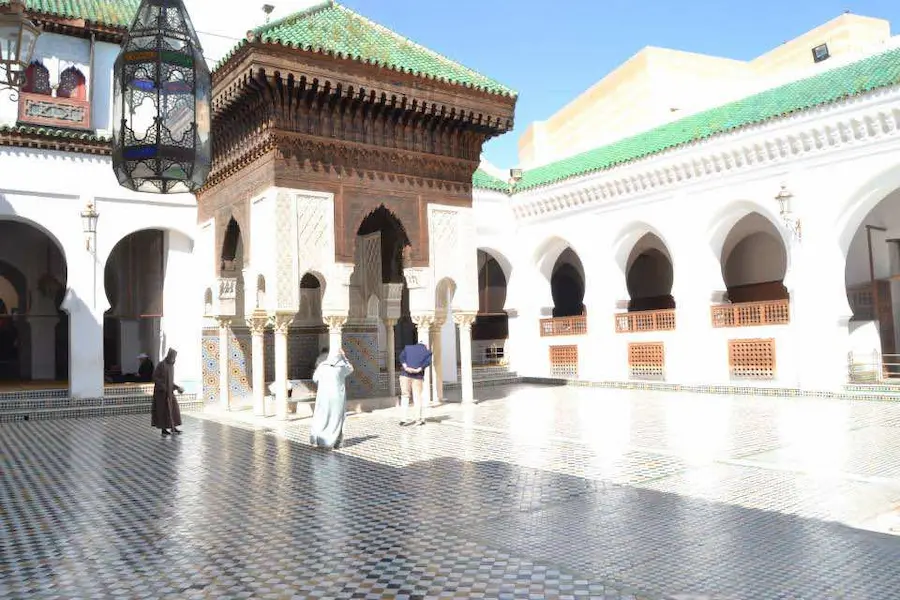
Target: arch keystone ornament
(161,117)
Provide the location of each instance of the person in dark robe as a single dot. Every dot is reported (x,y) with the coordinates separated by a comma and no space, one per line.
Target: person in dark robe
(145,369)
(164,413)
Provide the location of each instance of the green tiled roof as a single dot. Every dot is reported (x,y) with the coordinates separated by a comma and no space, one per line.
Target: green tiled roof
(113,13)
(866,75)
(55,132)
(331,28)
(486,181)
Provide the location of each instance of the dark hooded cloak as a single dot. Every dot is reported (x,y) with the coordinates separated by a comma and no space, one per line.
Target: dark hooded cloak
(164,414)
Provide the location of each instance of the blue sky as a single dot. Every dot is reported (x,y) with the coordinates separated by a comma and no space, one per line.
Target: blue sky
(552,51)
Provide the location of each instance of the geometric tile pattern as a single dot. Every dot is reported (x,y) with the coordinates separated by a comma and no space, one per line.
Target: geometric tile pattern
(536,492)
(361,347)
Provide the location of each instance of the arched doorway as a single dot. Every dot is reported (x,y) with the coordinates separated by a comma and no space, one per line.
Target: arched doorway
(231,264)
(754,261)
(309,326)
(34,331)
(649,275)
(873,291)
(567,285)
(491,328)
(134,279)
(381,241)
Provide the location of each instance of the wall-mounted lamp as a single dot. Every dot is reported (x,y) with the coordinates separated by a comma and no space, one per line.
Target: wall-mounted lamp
(785,198)
(515,175)
(89,218)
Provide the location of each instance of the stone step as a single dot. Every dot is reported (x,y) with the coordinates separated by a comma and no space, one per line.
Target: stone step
(82,408)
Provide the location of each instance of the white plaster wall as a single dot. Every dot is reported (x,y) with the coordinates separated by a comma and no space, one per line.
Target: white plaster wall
(263,253)
(182,322)
(834,193)
(50,189)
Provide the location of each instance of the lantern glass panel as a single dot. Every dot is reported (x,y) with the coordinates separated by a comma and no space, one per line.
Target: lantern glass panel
(162,95)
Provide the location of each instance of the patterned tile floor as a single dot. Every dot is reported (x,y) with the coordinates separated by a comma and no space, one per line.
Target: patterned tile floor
(537,492)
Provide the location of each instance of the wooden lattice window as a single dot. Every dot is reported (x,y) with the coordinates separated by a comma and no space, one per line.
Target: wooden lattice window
(72,85)
(752,359)
(37,79)
(564,361)
(647,360)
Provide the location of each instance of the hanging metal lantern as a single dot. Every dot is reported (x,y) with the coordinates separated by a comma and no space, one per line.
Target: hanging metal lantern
(161,119)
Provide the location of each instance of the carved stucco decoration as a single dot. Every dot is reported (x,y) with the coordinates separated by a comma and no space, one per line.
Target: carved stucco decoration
(287,282)
(315,232)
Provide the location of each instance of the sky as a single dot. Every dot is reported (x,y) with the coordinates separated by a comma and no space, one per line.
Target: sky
(551,51)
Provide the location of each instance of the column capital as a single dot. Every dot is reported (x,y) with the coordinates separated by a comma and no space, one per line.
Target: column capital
(282,321)
(257,322)
(223,321)
(423,321)
(464,320)
(335,323)
(390,322)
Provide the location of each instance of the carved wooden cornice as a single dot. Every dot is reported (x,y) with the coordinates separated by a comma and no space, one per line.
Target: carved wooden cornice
(291,78)
(854,123)
(353,158)
(77,28)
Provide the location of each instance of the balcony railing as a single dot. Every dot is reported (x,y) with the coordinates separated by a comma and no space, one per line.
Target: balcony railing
(645,320)
(752,314)
(563,326)
(47,111)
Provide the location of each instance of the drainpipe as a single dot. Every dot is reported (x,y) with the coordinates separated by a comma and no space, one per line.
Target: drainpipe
(91,83)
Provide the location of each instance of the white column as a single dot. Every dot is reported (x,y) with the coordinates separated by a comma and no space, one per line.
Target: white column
(437,360)
(257,324)
(224,362)
(820,313)
(85,302)
(423,328)
(391,356)
(282,322)
(697,353)
(335,331)
(465,321)
(85,351)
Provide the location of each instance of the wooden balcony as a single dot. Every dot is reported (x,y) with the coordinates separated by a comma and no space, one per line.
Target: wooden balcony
(752,314)
(46,111)
(645,320)
(563,326)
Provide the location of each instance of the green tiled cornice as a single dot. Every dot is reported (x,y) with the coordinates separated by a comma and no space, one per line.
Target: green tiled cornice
(486,181)
(840,83)
(333,29)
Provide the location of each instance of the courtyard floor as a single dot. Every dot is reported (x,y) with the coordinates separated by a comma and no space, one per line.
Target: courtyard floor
(537,492)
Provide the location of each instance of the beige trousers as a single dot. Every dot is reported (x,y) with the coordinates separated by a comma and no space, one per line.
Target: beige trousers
(415,388)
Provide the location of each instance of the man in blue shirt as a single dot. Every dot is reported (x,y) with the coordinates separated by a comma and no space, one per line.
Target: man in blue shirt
(414,360)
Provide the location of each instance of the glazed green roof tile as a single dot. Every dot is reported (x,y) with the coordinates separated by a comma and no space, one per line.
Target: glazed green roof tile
(333,29)
(486,181)
(866,75)
(55,132)
(112,13)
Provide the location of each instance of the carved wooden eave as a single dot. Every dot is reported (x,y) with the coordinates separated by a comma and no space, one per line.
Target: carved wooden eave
(77,27)
(338,118)
(287,76)
(49,141)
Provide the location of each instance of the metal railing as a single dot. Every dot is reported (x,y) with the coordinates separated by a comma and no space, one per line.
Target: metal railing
(873,367)
(645,320)
(750,314)
(558,326)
